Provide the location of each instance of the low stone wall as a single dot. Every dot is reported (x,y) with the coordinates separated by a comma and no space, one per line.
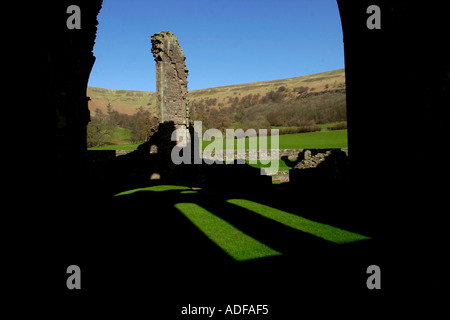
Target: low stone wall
(123,152)
(254,154)
(305,159)
(291,154)
(321,168)
(248,154)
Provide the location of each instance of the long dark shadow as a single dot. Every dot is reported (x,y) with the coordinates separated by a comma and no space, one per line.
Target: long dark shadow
(317,229)
(272,233)
(230,239)
(160,231)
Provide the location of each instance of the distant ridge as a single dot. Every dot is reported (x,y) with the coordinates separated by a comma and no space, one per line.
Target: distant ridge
(127,101)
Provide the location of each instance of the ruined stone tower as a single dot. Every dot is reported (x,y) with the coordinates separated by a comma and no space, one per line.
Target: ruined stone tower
(171,79)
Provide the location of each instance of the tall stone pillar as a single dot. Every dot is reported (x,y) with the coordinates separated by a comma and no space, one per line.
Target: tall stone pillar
(172,104)
(171,79)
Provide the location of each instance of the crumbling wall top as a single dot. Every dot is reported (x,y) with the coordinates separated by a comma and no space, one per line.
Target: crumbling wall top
(171,79)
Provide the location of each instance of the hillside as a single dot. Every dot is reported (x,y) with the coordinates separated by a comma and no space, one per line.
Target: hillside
(123,101)
(319,82)
(127,101)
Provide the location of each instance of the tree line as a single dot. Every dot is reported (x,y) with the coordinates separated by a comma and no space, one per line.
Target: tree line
(275,108)
(103,126)
(301,110)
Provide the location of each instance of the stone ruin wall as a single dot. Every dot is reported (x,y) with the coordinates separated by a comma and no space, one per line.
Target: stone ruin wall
(171,79)
(173,113)
(311,155)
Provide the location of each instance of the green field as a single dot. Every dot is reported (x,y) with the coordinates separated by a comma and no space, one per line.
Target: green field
(121,134)
(233,241)
(117,147)
(308,140)
(314,140)
(317,229)
(323,126)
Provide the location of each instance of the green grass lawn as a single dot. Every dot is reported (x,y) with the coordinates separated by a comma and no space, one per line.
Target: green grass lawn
(308,140)
(117,147)
(314,140)
(157,188)
(121,134)
(317,229)
(237,244)
(323,126)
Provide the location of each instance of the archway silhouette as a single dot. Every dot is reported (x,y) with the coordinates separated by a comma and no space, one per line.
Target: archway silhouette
(378,73)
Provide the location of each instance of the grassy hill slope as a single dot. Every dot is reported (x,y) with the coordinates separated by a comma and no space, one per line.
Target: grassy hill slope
(123,101)
(127,101)
(319,82)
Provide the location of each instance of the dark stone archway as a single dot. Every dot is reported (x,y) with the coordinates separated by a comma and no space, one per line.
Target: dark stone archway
(398,98)
(398,86)
(69,60)
(397,82)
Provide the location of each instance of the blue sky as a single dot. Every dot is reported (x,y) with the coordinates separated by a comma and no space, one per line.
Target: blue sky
(225,41)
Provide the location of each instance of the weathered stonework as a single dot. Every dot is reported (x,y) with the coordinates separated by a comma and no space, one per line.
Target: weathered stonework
(317,166)
(171,79)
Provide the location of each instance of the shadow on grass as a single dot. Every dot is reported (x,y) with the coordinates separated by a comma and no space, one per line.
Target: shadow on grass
(317,229)
(195,243)
(234,242)
(197,223)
